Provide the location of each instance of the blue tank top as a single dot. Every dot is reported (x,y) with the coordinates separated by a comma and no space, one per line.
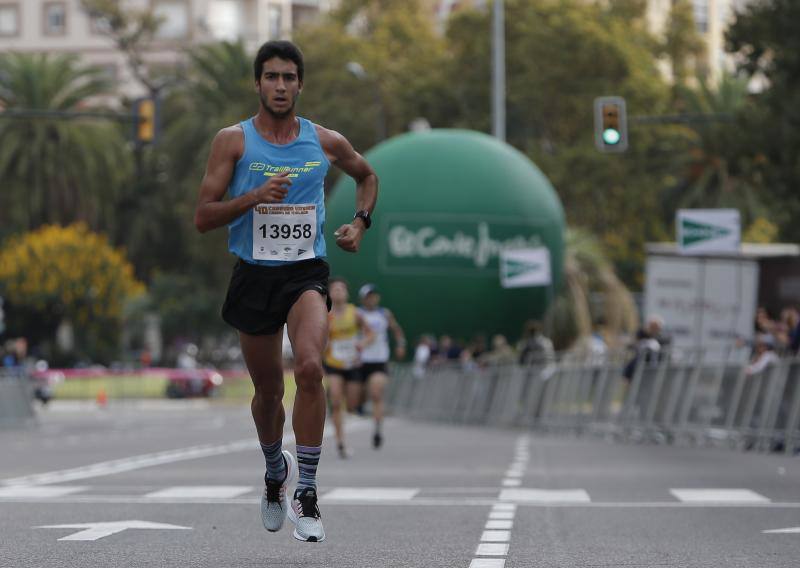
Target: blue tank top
(279,234)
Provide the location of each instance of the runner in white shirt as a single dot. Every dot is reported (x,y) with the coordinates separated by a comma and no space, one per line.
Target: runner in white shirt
(376,354)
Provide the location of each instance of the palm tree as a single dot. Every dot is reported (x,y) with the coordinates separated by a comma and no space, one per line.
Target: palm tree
(589,274)
(217,92)
(55,169)
(721,169)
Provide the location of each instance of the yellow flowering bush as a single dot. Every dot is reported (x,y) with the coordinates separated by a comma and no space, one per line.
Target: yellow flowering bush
(57,273)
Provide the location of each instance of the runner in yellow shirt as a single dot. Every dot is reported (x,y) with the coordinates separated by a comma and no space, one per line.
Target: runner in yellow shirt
(348,335)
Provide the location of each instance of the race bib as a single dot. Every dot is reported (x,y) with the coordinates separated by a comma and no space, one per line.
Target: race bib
(345,350)
(284,232)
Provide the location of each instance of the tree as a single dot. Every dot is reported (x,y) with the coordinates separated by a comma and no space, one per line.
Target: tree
(588,273)
(131,30)
(404,63)
(57,274)
(682,45)
(764,37)
(56,169)
(721,169)
(560,56)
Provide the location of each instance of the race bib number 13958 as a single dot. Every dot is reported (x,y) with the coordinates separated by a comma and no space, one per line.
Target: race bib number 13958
(284,232)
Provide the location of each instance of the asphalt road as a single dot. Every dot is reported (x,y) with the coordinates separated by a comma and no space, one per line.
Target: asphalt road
(435,496)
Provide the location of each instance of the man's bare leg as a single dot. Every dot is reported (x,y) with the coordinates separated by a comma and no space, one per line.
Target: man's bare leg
(308,332)
(262,354)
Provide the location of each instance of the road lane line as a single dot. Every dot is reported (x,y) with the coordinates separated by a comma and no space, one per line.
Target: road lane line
(132,463)
(488,563)
(718,496)
(497,530)
(22,491)
(200,492)
(417,502)
(492,524)
(496,536)
(545,495)
(492,549)
(369,494)
(501,515)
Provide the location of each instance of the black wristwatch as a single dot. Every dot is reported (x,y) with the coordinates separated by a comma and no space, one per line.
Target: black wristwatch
(364,216)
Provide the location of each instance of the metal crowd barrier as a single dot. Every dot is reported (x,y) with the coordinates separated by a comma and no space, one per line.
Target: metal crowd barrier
(672,398)
(15,399)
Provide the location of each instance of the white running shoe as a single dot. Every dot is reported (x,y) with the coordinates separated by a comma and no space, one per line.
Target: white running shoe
(304,513)
(275,501)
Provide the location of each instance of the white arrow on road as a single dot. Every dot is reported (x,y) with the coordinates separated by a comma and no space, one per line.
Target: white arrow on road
(94,531)
(790,530)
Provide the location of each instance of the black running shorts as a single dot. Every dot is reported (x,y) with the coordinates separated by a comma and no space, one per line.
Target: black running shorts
(368,369)
(349,375)
(259,297)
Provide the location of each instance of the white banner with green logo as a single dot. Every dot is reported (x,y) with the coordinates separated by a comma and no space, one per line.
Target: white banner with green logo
(701,231)
(523,268)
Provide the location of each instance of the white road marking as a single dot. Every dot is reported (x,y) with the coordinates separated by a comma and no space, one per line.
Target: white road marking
(40,492)
(112,467)
(416,502)
(94,531)
(514,473)
(501,515)
(370,494)
(101,469)
(504,507)
(487,563)
(496,536)
(492,549)
(789,530)
(512,482)
(492,524)
(718,496)
(200,491)
(545,495)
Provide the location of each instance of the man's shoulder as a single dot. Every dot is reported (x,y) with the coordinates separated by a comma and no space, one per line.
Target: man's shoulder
(232,132)
(230,140)
(327,136)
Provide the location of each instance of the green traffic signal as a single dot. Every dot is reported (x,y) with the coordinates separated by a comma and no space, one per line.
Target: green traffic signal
(610,124)
(611,136)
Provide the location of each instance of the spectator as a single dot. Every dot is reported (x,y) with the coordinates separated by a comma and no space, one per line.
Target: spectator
(764,355)
(534,346)
(794,331)
(764,323)
(501,354)
(447,351)
(422,355)
(651,345)
(786,331)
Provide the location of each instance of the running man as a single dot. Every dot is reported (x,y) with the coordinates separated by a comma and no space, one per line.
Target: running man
(273,167)
(349,335)
(375,356)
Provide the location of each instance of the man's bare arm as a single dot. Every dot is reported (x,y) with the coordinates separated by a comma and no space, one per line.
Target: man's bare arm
(212,211)
(341,154)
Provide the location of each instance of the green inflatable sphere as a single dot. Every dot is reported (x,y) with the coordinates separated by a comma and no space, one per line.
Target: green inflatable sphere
(467,237)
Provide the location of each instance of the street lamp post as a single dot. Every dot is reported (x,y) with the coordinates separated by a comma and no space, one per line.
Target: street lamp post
(499,71)
(357,70)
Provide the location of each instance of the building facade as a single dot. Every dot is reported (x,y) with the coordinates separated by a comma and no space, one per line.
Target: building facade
(712,19)
(63,26)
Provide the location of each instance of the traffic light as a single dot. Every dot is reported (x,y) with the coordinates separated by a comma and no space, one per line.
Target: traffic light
(610,124)
(145,115)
